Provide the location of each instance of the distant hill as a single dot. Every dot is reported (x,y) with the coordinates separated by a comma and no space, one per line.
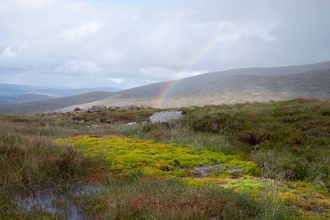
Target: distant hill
(236,89)
(48,105)
(33,98)
(243,88)
(230,86)
(10,93)
(204,79)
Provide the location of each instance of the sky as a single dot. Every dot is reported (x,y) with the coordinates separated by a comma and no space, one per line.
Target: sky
(129,43)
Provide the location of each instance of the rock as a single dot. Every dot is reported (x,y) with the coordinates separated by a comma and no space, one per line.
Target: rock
(76,109)
(145,106)
(97,108)
(132,107)
(165,116)
(144,123)
(113,107)
(52,112)
(132,124)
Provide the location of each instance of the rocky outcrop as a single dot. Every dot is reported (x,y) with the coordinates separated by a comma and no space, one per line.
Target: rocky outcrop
(165,116)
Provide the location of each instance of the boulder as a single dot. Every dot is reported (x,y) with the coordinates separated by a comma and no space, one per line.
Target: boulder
(97,108)
(165,116)
(132,107)
(77,109)
(145,106)
(132,124)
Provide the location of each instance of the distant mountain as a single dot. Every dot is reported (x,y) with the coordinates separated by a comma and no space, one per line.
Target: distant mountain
(236,89)
(33,98)
(204,79)
(48,105)
(243,88)
(10,93)
(230,86)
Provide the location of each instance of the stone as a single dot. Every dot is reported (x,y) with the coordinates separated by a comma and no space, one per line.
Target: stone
(97,108)
(145,106)
(165,116)
(76,109)
(132,124)
(132,107)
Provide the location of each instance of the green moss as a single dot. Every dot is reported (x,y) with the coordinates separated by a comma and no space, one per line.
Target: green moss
(123,154)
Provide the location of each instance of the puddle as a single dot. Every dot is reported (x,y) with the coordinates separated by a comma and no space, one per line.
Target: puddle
(201,172)
(205,171)
(63,204)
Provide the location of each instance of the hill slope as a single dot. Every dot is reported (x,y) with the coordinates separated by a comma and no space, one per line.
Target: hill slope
(33,98)
(241,88)
(204,79)
(48,105)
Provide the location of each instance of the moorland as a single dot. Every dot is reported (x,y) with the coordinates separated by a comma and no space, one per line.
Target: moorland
(242,161)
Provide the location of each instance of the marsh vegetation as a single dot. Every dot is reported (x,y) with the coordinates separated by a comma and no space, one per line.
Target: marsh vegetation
(244,161)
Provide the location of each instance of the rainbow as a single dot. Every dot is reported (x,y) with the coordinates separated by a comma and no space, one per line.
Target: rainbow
(174,83)
(202,51)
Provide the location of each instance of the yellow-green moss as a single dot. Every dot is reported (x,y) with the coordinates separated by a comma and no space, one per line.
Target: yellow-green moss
(126,153)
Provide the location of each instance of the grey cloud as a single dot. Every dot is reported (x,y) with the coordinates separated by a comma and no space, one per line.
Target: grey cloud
(98,44)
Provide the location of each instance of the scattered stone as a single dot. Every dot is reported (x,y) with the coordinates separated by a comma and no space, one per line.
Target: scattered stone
(165,116)
(52,112)
(145,106)
(144,123)
(97,108)
(132,107)
(113,107)
(132,124)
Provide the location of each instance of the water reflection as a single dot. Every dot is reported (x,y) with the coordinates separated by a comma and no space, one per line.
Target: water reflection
(64,204)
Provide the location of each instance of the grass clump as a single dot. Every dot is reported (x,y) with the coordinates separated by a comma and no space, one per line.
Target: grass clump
(298,130)
(32,159)
(168,198)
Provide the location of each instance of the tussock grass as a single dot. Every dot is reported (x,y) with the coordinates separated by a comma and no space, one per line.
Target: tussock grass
(28,158)
(295,132)
(168,198)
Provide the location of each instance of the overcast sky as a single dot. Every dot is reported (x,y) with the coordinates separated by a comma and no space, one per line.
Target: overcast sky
(118,43)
